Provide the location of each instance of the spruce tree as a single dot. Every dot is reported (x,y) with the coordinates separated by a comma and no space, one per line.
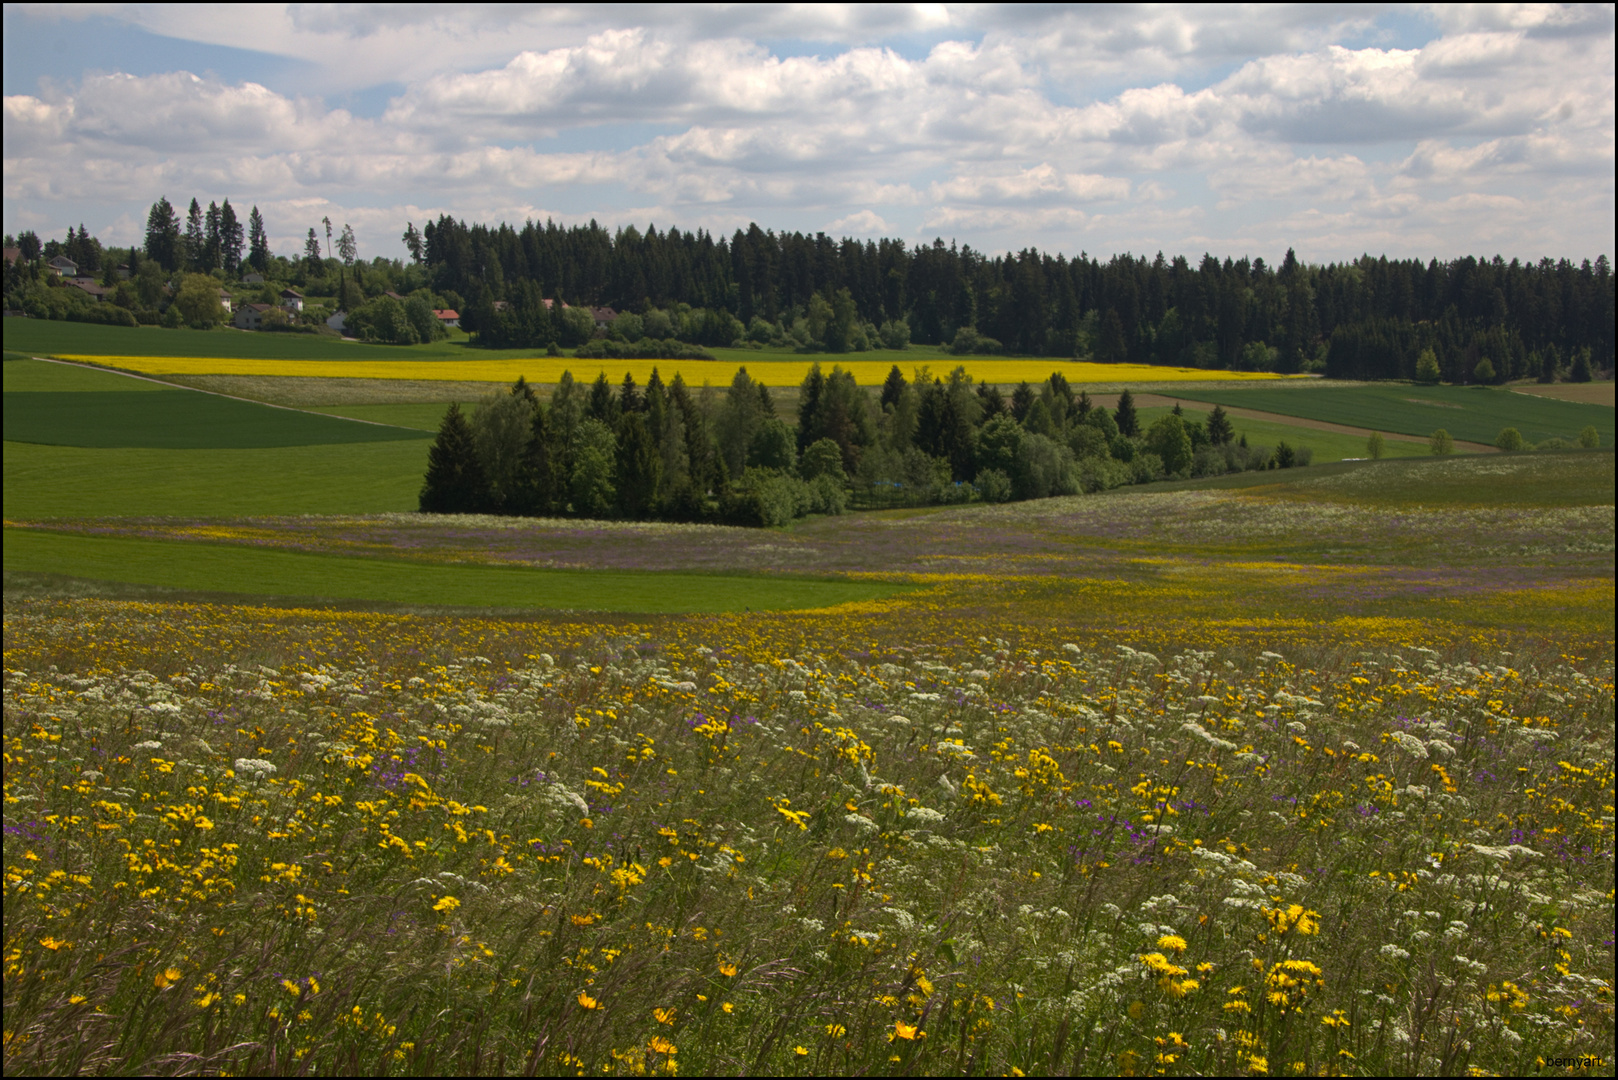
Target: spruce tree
(1219,430)
(454,482)
(258,242)
(1581,372)
(1127,423)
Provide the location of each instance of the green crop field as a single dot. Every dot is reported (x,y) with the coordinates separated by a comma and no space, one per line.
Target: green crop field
(1474,414)
(1326,445)
(71,406)
(214,568)
(72,481)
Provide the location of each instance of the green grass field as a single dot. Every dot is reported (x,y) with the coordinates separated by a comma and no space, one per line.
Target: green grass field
(1545,479)
(215,568)
(76,482)
(64,405)
(1475,414)
(1327,446)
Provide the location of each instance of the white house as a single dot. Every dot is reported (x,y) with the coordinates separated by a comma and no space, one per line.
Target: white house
(292,300)
(64,266)
(447,316)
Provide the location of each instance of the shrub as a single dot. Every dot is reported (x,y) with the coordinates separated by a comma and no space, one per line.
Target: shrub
(1509,439)
(1376,446)
(1427,367)
(1589,438)
(1484,372)
(1441,443)
(993,486)
(968,342)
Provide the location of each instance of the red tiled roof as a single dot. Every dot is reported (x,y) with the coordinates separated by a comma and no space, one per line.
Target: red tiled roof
(446,313)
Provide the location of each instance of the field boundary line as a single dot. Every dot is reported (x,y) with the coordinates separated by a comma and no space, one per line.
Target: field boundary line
(215,393)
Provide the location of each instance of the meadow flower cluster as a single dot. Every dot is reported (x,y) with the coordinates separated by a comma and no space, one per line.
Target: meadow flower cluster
(241,841)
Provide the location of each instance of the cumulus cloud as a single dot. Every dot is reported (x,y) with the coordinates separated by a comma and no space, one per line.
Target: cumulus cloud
(1065,128)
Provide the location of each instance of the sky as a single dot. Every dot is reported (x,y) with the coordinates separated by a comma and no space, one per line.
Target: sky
(1429,131)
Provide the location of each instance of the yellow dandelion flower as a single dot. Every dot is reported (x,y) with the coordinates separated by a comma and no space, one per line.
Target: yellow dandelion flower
(206,1000)
(727,969)
(902,1030)
(728,1007)
(659,1045)
(167,977)
(664,1016)
(801,1051)
(447,903)
(587,1002)
(77,999)
(1171,943)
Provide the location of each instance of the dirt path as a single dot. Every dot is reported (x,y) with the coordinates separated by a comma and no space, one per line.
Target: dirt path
(1147,401)
(1590,393)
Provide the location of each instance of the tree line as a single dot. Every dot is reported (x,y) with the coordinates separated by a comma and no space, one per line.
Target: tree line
(1369,318)
(670,453)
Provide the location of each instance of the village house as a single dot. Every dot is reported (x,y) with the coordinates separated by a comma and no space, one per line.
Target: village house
(64,266)
(447,316)
(254,278)
(292,300)
(225,301)
(89,285)
(603,317)
(251,316)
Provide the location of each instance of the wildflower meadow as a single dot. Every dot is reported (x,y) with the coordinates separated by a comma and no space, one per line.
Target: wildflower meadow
(1109,794)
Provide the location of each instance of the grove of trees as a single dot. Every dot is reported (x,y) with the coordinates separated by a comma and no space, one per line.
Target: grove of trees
(668,452)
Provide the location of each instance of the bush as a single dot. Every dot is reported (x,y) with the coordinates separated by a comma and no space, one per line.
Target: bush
(993,485)
(1209,461)
(1146,467)
(1441,443)
(1590,438)
(1376,446)
(644,349)
(764,497)
(1509,439)
(968,342)
(1484,372)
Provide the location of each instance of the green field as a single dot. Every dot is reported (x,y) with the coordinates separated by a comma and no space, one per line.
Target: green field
(64,405)
(285,574)
(75,482)
(1473,414)
(1327,446)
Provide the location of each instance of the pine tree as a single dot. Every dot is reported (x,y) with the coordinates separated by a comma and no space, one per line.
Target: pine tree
(1128,424)
(163,235)
(1581,372)
(638,465)
(454,483)
(230,239)
(258,242)
(196,241)
(213,242)
(1220,431)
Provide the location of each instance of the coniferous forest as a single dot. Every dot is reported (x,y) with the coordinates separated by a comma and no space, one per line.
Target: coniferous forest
(1367,319)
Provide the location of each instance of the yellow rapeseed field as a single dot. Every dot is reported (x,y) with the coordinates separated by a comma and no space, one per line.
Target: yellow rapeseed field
(548,369)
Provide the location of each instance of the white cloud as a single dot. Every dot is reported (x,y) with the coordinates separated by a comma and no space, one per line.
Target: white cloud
(913,119)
